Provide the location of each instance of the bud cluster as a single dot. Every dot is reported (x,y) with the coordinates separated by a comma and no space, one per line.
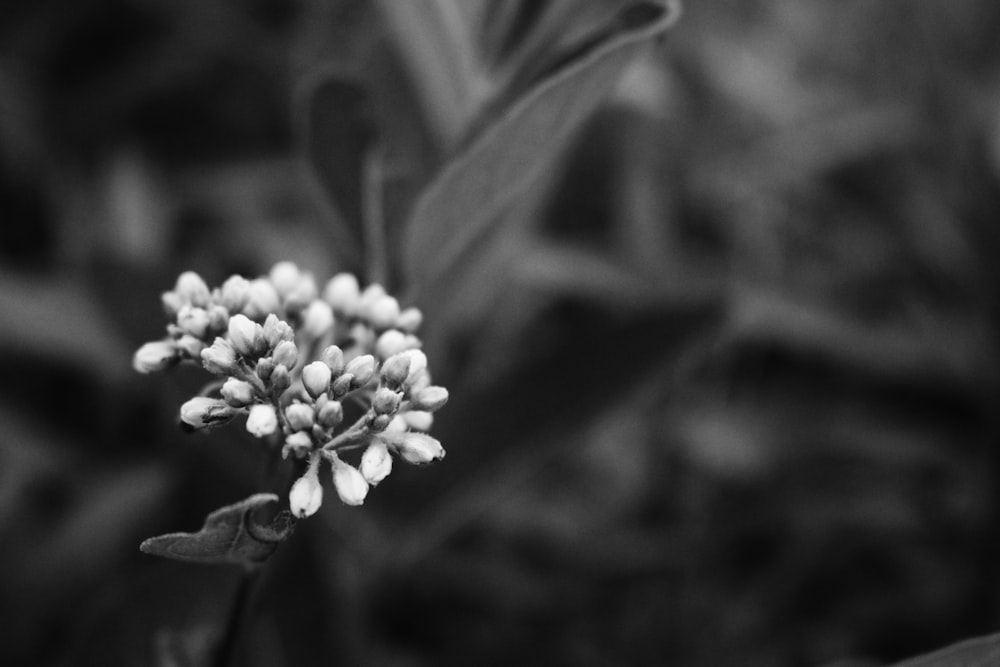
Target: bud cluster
(292,358)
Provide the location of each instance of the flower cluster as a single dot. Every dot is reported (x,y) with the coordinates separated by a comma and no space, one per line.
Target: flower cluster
(318,373)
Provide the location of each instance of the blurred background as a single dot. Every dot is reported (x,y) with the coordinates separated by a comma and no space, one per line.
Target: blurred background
(724,380)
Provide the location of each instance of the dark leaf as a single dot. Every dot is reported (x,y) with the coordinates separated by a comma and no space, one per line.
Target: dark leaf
(504,160)
(231,534)
(978,652)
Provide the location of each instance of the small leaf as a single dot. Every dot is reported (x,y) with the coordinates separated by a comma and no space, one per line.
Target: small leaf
(978,652)
(231,534)
(502,162)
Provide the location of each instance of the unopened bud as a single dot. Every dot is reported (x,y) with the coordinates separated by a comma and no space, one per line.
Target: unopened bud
(386,401)
(219,358)
(397,425)
(262,299)
(350,484)
(418,420)
(192,289)
(277,331)
(203,412)
(333,357)
(155,356)
(286,354)
(237,393)
(244,334)
(193,320)
(376,462)
(416,448)
(331,414)
(316,378)
(410,320)
(218,318)
(265,369)
(430,398)
(342,385)
(395,370)
(299,416)
(418,364)
(172,303)
(190,346)
(362,368)
(306,494)
(284,276)
(297,444)
(378,423)
(235,292)
(392,341)
(383,312)
(262,420)
(281,380)
(317,318)
(342,292)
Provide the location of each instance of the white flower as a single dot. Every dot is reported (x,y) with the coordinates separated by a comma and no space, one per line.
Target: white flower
(286,354)
(376,462)
(362,368)
(409,320)
(349,482)
(202,412)
(192,289)
(299,416)
(415,447)
(220,358)
(316,378)
(297,444)
(244,334)
(306,494)
(262,420)
(383,312)
(430,398)
(235,292)
(317,319)
(285,277)
(420,420)
(154,356)
(193,320)
(262,299)
(342,292)
(237,393)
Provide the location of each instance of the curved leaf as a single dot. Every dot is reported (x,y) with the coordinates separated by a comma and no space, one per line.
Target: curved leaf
(231,534)
(978,652)
(500,164)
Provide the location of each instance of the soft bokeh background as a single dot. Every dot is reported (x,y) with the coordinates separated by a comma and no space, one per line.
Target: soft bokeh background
(726,394)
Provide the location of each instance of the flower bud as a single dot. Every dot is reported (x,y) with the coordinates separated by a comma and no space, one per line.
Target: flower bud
(430,399)
(369,296)
(342,385)
(395,370)
(193,320)
(397,425)
(218,318)
(190,346)
(304,293)
(378,423)
(237,393)
(362,368)
(172,303)
(277,331)
(220,358)
(262,420)
(299,416)
(262,299)
(383,312)
(317,318)
(386,401)
(265,369)
(235,292)
(281,380)
(316,378)
(284,276)
(192,289)
(331,414)
(286,354)
(342,292)
(350,484)
(376,462)
(297,444)
(416,448)
(418,364)
(203,412)
(155,356)
(333,357)
(306,494)
(244,334)
(410,320)
(418,420)
(392,341)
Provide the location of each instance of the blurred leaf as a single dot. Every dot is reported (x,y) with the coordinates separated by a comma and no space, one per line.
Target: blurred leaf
(341,132)
(978,652)
(231,534)
(503,161)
